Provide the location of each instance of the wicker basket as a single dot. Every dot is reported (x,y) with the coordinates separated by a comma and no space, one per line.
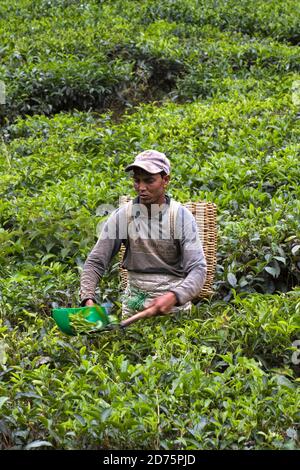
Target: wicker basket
(205,214)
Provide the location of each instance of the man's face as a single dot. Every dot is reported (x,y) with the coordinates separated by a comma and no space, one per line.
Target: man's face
(151,188)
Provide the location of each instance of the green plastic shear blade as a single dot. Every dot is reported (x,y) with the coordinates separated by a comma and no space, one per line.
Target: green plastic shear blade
(96,316)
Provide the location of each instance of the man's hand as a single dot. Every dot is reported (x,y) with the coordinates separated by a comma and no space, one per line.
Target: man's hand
(89,303)
(163,303)
(159,306)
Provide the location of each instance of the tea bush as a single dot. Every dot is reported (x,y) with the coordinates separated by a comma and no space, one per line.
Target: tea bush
(179,383)
(123,53)
(241,155)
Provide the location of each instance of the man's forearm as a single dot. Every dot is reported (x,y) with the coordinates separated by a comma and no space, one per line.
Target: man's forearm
(193,258)
(95,266)
(191,285)
(89,280)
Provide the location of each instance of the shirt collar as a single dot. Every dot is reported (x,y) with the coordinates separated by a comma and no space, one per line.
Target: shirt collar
(154,210)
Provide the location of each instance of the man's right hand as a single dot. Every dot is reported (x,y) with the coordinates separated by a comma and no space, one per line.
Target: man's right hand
(148,312)
(89,303)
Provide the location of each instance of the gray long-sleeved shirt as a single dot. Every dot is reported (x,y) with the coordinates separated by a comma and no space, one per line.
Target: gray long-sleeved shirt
(151,247)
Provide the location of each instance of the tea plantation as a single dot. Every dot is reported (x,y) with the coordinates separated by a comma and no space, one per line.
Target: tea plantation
(214,84)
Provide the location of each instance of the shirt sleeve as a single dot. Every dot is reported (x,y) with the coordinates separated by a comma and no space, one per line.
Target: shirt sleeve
(192,257)
(107,246)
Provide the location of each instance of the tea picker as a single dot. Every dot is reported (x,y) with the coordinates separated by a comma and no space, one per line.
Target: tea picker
(163,257)
(168,253)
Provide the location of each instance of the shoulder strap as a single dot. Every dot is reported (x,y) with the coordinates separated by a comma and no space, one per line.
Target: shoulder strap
(129,210)
(174,206)
(129,214)
(124,245)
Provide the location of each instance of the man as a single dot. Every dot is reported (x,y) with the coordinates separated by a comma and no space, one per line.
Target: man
(164,256)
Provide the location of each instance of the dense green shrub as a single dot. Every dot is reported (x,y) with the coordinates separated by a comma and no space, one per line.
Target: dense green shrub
(240,154)
(123,53)
(253,18)
(180,383)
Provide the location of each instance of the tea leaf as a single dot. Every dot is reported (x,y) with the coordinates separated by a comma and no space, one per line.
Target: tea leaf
(37,444)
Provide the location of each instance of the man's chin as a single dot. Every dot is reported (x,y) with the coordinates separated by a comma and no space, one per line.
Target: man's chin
(145,199)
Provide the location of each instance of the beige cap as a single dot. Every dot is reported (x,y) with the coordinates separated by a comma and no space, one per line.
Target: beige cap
(151,161)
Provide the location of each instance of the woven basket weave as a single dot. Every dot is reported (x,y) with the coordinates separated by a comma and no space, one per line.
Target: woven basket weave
(205,214)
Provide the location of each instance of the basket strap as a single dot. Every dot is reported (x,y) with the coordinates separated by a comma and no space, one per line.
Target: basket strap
(128,220)
(174,206)
(129,216)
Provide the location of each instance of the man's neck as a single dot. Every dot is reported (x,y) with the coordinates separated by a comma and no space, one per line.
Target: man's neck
(165,200)
(159,203)
(161,200)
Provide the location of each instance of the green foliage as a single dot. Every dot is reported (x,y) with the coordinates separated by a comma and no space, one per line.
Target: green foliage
(211,84)
(179,383)
(123,52)
(241,155)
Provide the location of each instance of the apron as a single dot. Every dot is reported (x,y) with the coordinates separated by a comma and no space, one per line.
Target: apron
(142,288)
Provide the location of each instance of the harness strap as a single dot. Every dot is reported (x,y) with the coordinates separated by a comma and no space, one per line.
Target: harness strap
(174,206)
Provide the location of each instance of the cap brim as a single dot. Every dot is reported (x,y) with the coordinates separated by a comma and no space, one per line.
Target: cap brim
(143,167)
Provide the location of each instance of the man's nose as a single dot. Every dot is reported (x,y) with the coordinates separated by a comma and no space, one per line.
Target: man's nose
(142,186)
